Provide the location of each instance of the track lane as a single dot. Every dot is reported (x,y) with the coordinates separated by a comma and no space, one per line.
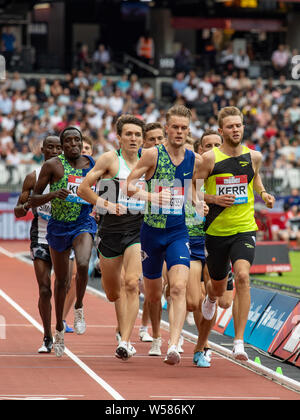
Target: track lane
(140,378)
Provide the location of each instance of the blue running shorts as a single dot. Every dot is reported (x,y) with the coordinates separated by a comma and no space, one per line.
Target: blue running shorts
(60,235)
(197,246)
(159,245)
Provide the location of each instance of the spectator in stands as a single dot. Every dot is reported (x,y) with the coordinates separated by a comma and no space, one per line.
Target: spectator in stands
(8,43)
(183,60)
(17,83)
(280,59)
(292,230)
(101,59)
(145,48)
(123,84)
(241,61)
(83,57)
(179,85)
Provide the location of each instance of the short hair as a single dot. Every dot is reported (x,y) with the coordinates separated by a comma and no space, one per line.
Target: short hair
(50,137)
(228,111)
(210,132)
(71,127)
(129,119)
(88,140)
(153,126)
(180,111)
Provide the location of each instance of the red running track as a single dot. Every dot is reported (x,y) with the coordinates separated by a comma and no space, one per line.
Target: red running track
(89,370)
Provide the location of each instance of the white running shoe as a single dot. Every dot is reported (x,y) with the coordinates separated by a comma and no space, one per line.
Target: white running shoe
(145,336)
(173,357)
(79,322)
(208,308)
(155,347)
(238,351)
(208,354)
(59,343)
(47,345)
(122,351)
(180,344)
(190,318)
(131,349)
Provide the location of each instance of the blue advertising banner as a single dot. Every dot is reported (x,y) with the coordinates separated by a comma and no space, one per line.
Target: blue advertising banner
(260,300)
(272,321)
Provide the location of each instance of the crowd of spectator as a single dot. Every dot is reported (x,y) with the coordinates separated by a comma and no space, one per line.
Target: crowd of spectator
(29,109)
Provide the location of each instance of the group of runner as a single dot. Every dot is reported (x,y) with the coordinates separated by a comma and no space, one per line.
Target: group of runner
(174,216)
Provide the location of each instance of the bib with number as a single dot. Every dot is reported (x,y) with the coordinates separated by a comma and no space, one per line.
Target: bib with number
(73,183)
(236,185)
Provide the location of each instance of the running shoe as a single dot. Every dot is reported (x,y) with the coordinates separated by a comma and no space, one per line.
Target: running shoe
(79,322)
(180,344)
(122,351)
(172,357)
(131,349)
(155,347)
(118,337)
(238,351)
(200,360)
(59,343)
(207,354)
(208,308)
(67,328)
(47,345)
(145,336)
(190,318)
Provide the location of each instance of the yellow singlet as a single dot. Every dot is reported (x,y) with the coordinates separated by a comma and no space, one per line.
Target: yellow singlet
(231,175)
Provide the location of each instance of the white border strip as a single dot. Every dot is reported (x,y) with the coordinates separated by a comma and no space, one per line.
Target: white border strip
(72,356)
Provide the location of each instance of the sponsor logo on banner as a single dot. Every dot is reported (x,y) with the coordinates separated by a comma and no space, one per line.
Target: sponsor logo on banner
(259,302)
(272,320)
(286,344)
(12,228)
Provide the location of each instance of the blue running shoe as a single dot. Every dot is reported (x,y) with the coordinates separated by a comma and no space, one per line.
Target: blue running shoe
(67,328)
(202,362)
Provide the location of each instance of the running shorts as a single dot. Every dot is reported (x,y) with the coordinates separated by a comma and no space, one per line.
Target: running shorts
(159,245)
(40,251)
(60,235)
(114,244)
(197,247)
(221,250)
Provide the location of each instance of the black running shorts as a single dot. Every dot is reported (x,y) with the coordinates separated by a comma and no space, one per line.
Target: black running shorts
(221,250)
(40,251)
(114,244)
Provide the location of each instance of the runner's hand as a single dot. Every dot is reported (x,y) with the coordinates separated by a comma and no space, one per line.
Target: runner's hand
(161,199)
(62,194)
(268,199)
(117,209)
(225,200)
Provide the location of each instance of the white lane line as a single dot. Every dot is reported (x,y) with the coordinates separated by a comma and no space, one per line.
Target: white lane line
(207,397)
(72,356)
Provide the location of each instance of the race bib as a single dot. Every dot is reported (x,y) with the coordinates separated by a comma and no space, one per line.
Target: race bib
(73,183)
(132,203)
(176,203)
(236,185)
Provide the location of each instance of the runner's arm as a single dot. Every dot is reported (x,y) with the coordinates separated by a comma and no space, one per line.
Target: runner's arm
(258,184)
(102,167)
(38,198)
(23,206)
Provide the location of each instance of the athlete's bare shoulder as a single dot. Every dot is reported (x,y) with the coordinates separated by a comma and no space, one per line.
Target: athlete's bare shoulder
(256,158)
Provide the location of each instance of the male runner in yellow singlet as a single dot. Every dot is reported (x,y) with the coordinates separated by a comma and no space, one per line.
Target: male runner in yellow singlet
(231,171)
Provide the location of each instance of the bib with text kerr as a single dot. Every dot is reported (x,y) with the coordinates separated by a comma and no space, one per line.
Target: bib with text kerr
(235,185)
